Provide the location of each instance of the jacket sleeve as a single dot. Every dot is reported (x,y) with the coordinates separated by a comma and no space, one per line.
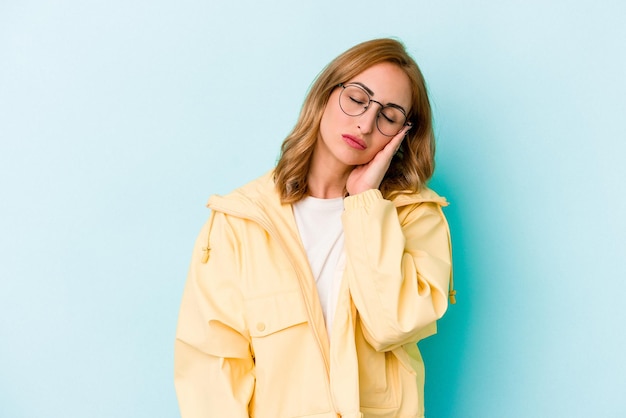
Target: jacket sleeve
(213,364)
(398,267)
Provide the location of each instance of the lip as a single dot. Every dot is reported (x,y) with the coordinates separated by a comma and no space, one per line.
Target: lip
(354,142)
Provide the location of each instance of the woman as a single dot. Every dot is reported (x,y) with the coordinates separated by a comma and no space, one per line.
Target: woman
(310,287)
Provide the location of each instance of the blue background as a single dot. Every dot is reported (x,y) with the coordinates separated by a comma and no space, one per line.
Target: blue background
(119,118)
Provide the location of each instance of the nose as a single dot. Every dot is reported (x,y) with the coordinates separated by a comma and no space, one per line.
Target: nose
(367,120)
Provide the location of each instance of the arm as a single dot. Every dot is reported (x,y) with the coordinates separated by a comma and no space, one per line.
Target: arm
(398,267)
(213,365)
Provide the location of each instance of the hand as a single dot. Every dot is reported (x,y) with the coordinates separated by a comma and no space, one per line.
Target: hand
(370,175)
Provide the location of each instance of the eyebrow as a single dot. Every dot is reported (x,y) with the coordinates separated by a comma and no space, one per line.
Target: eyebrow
(367,89)
(371,93)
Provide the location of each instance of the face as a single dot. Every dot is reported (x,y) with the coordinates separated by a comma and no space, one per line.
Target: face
(355,140)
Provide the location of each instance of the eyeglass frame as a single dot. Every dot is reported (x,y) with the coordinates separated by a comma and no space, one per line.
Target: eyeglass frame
(382,106)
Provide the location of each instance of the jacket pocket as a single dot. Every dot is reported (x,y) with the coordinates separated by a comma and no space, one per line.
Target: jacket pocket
(406,356)
(378,378)
(270,314)
(289,373)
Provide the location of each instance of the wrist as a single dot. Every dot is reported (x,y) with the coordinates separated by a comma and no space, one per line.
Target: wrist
(362,199)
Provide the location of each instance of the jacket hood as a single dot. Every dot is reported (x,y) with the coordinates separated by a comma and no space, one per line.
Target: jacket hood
(254,199)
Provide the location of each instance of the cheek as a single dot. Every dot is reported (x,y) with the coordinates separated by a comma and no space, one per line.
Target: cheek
(379,143)
(375,147)
(332,121)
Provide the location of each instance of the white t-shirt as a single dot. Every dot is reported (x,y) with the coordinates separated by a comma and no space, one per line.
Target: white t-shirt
(321,232)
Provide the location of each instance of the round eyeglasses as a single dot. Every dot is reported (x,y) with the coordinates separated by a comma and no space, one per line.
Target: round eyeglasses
(354,100)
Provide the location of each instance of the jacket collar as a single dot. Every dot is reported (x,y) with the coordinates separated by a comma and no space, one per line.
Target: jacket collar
(259,198)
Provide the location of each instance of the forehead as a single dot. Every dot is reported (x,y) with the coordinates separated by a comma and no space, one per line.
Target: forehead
(388,83)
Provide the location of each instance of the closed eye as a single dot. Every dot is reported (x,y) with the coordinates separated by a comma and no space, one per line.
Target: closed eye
(389,119)
(357,101)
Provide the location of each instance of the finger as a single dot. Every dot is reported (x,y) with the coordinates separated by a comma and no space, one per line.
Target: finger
(396,141)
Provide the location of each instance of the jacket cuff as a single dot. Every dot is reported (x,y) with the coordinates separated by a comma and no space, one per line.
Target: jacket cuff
(363,199)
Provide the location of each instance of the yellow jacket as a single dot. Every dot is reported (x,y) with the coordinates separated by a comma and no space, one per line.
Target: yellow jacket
(251,339)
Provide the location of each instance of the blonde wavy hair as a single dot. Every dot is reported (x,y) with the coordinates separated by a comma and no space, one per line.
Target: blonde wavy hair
(410,168)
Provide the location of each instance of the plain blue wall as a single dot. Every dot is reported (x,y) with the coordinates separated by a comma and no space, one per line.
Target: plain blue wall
(119,118)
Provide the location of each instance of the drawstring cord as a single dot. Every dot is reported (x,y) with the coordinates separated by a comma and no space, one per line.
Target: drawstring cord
(452,296)
(207,250)
(451,291)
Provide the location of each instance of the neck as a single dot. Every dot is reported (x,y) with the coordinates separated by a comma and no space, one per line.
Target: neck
(327,179)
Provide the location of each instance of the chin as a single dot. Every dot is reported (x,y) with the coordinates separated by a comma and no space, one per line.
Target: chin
(354,161)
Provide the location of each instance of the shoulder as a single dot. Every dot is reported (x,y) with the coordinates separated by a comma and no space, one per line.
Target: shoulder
(251,191)
(422,208)
(425,195)
(259,195)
